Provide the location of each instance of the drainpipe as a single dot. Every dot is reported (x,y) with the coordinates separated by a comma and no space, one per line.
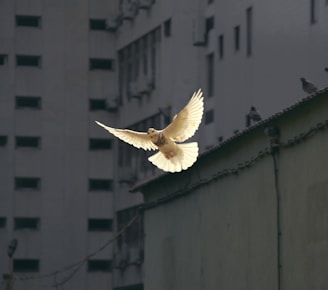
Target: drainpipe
(273,133)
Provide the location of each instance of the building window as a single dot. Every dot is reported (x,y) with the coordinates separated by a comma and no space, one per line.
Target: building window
(167,28)
(100,184)
(136,58)
(101,63)
(100,144)
(28,21)
(99,265)
(209,117)
(26,265)
(3,59)
(3,222)
(97,104)
(249,30)
(3,141)
(221,46)
(97,24)
(22,183)
(210,75)
(25,102)
(100,225)
(28,142)
(209,24)
(28,60)
(237,37)
(144,55)
(313,11)
(133,235)
(26,223)
(153,53)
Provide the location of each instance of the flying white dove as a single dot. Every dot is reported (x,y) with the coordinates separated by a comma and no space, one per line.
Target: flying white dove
(172,157)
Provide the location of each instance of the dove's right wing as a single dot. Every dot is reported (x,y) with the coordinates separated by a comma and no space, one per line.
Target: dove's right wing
(137,139)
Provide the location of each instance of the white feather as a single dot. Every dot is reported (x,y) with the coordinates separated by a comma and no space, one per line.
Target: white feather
(186,156)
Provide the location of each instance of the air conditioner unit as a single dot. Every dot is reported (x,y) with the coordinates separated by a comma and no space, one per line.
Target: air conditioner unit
(123,257)
(145,4)
(112,23)
(129,9)
(143,85)
(133,90)
(198,33)
(112,104)
(151,82)
(135,255)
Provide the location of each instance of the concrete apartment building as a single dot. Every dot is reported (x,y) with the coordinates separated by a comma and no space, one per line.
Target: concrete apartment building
(64,181)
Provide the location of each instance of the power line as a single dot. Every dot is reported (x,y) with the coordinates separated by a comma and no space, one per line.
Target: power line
(186,190)
(77,265)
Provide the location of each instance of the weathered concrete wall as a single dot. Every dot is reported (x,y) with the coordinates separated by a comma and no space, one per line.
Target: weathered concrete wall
(223,234)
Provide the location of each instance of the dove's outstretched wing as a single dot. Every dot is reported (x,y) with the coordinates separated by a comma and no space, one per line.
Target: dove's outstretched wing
(186,122)
(137,139)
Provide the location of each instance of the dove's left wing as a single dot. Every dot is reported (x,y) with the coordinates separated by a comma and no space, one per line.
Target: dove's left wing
(186,122)
(137,139)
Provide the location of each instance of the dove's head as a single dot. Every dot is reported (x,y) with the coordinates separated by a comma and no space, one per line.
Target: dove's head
(152,133)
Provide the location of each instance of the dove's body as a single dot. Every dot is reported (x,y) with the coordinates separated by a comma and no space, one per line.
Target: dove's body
(164,144)
(171,157)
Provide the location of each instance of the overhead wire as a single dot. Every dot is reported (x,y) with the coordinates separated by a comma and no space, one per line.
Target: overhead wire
(187,189)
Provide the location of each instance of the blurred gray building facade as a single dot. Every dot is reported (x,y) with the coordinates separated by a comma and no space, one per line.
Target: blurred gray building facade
(64,182)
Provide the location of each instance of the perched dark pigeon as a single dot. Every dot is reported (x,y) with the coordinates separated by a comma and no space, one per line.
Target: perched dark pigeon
(252,116)
(307,86)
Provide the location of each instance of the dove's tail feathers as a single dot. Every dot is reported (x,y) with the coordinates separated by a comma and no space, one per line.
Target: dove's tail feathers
(185,156)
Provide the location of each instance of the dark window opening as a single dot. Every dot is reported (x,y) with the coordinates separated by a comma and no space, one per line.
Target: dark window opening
(27,183)
(209,117)
(100,144)
(3,222)
(237,37)
(26,223)
(3,140)
(145,55)
(313,11)
(28,60)
(167,28)
(3,59)
(209,24)
(100,184)
(29,21)
(99,265)
(221,46)
(26,265)
(24,102)
(249,29)
(100,225)
(28,142)
(210,74)
(97,24)
(101,63)
(97,104)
